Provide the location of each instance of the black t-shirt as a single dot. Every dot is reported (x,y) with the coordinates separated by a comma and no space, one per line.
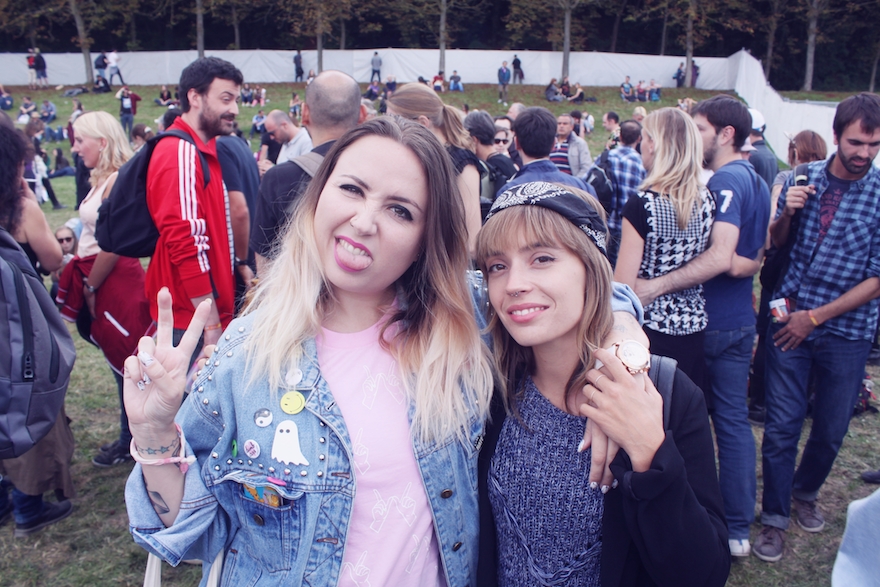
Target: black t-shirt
(240,171)
(503,169)
(274,147)
(461,158)
(279,189)
(635,212)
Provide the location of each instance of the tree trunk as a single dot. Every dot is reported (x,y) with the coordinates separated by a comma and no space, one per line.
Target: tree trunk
(566,40)
(133,42)
(771,37)
(689,49)
(342,33)
(874,69)
(444,6)
(83,38)
(812,33)
(616,28)
(319,36)
(663,33)
(200,28)
(236,28)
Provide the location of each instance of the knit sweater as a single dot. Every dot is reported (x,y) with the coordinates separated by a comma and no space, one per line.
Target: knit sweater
(545,537)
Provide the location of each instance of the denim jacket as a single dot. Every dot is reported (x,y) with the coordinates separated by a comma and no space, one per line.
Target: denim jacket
(301,538)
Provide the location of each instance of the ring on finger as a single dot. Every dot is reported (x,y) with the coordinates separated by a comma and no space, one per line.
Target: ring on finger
(595,383)
(590,401)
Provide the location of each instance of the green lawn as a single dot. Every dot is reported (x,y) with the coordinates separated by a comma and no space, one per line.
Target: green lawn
(92,548)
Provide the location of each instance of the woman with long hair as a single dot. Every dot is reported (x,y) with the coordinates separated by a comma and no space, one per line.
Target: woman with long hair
(543,522)
(420,103)
(100,291)
(664,227)
(344,409)
(47,466)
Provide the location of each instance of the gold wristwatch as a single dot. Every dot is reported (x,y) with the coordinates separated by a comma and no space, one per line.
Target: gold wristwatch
(633,354)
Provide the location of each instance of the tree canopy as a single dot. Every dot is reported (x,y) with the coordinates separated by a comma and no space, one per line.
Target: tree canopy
(803,43)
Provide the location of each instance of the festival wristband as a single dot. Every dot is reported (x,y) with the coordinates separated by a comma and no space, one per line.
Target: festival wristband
(217,326)
(812,318)
(182,461)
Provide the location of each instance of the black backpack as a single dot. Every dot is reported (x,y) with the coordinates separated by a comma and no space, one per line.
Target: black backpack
(599,176)
(124,225)
(100,62)
(37,357)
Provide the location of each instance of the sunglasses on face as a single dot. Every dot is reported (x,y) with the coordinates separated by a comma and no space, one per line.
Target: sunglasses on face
(65,239)
(502,141)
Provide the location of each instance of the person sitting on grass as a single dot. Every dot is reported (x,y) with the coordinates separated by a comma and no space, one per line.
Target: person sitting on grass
(101,86)
(165,98)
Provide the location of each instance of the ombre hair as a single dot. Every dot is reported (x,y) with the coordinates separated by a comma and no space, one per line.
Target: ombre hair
(518,226)
(102,125)
(414,100)
(436,341)
(678,158)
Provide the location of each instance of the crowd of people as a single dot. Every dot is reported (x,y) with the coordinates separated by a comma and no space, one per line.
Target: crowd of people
(444,327)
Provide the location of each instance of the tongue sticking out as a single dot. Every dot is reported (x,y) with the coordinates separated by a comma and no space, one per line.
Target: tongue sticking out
(352,261)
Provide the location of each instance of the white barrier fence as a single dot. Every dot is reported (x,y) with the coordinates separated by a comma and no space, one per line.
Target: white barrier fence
(740,72)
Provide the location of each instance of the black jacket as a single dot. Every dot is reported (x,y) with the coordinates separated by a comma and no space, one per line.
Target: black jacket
(664,527)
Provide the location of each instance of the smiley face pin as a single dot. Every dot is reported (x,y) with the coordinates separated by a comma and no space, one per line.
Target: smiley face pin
(293,402)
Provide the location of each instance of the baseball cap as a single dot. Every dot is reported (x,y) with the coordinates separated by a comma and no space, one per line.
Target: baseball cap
(758,122)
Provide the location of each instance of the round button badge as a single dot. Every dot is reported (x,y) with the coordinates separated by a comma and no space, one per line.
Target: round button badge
(293,402)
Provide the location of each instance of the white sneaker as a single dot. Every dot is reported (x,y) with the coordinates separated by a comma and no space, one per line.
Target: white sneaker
(739,547)
(499,101)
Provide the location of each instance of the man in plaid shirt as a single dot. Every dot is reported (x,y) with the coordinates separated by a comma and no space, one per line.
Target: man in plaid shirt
(832,286)
(627,174)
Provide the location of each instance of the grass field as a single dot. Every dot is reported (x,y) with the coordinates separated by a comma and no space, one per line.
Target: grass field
(93,548)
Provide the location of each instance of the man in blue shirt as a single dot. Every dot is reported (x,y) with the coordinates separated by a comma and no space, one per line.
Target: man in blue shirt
(742,203)
(503,82)
(831,287)
(627,174)
(535,136)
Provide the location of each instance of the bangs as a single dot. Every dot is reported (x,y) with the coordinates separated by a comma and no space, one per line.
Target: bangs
(524,226)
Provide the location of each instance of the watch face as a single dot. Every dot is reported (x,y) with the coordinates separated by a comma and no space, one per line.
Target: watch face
(633,355)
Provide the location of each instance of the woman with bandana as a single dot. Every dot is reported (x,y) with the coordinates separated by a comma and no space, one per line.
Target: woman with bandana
(542,522)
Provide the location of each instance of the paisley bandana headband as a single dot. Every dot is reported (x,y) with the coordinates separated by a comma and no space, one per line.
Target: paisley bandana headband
(562,201)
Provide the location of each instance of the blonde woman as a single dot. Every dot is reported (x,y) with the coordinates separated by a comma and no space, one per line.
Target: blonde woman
(334,434)
(102,292)
(420,103)
(664,227)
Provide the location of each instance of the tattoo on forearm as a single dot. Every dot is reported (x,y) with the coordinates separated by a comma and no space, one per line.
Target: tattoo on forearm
(158,502)
(173,448)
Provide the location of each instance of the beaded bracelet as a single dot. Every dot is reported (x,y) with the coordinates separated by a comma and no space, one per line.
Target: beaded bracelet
(183,462)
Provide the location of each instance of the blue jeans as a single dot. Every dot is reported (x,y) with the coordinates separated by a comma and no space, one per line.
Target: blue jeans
(728,354)
(838,366)
(127,121)
(456,87)
(26,508)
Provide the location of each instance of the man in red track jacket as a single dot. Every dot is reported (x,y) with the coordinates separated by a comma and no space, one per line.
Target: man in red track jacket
(194,255)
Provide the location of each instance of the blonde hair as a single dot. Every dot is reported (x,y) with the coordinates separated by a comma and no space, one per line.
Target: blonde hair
(414,100)
(437,344)
(102,125)
(678,158)
(515,227)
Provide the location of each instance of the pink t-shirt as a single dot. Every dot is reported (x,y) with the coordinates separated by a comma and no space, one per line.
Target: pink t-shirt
(391,539)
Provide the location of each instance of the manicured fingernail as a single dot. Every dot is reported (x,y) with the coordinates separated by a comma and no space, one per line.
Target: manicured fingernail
(145,358)
(141,385)
(614,484)
(604,489)
(594,486)
(582,446)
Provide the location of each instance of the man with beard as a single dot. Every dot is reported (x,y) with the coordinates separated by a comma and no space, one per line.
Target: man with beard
(831,287)
(193,257)
(736,246)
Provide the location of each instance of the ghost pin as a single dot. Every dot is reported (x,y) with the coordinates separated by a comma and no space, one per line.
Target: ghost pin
(285,447)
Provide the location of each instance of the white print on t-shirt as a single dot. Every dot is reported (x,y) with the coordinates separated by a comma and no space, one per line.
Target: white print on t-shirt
(285,447)
(361,453)
(404,504)
(421,548)
(389,380)
(728,196)
(359,573)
